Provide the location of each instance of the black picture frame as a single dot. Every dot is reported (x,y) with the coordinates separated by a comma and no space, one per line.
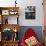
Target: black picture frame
(30,12)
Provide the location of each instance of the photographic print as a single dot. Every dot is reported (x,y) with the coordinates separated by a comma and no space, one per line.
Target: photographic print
(30,12)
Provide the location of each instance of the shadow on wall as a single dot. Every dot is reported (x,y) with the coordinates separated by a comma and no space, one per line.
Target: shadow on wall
(37,29)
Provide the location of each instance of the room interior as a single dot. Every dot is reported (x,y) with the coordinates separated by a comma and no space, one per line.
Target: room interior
(17,16)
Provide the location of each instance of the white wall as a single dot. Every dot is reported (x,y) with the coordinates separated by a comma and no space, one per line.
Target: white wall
(22,4)
(39,13)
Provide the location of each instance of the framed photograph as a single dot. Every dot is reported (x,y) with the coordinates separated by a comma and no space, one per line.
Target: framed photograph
(13,12)
(30,12)
(5,12)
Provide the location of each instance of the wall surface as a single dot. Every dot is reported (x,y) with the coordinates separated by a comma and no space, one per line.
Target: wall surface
(23,4)
(39,13)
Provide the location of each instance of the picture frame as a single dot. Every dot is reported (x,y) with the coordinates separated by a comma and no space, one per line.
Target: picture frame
(13,12)
(5,12)
(30,12)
